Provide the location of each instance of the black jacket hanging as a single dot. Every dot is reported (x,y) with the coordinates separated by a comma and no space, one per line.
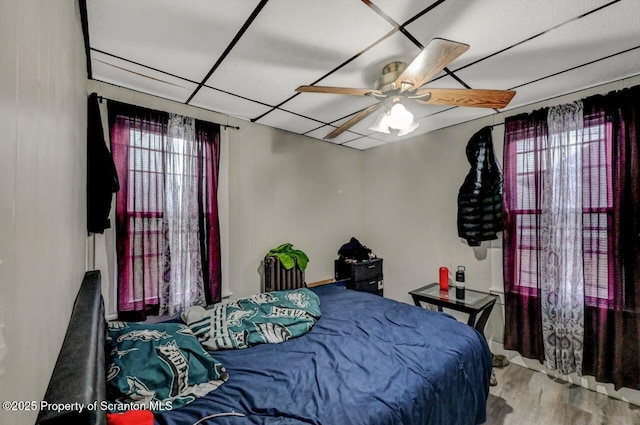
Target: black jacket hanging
(102,178)
(480,196)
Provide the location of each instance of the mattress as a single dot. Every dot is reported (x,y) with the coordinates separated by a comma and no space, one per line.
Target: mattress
(367,361)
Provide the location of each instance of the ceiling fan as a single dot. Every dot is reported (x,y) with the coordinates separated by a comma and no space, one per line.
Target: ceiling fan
(400,84)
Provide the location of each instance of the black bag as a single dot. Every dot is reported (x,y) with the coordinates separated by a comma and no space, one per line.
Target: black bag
(354,250)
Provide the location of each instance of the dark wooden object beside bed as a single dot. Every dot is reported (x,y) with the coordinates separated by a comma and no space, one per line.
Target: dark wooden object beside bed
(365,276)
(78,378)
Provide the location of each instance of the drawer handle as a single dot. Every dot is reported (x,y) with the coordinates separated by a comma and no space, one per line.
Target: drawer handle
(371,266)
(372,282)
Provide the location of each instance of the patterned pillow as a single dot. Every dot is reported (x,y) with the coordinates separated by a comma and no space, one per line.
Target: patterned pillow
(271,317)
(158,366)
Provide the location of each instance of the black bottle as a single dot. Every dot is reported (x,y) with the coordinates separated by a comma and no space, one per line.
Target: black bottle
(460,283)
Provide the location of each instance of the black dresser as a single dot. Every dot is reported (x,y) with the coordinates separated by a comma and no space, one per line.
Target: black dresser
(365,276)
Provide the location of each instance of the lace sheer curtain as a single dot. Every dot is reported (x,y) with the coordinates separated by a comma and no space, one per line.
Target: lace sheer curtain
(182,284)
(562,283)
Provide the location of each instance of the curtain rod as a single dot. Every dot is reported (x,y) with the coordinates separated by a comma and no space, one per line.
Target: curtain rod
(225,126)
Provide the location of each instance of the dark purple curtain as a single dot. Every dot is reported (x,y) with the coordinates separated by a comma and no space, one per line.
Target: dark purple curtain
(208,144)
(137,136)
(525,138)
(612,330)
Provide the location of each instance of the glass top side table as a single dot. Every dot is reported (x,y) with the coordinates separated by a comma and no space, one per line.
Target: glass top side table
(474,303)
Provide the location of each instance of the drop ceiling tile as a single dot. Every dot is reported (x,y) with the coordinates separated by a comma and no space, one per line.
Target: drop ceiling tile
(402,11)
(613,69)
(453,116)
(490,26)
(295,42)
(365,70)
(184,38)
(364,143)
(115,71)
(571,45)
(321,132)
(225,103)
(288,121)
(391,138)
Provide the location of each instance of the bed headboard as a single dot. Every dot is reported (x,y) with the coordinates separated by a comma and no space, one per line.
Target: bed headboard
(78,377)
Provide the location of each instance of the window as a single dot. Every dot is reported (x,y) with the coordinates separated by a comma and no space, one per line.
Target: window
(597,200)
(167,230)
(529,151)
(145,213)
(610,177)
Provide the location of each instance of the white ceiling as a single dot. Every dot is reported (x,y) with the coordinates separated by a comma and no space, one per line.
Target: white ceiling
(245,58)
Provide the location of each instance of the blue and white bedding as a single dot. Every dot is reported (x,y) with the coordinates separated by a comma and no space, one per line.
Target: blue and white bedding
(268,318)
(367,361)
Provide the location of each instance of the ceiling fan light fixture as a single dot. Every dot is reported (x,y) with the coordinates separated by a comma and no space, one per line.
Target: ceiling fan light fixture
(401,83)
(381,125)
(408,129)
(399,117)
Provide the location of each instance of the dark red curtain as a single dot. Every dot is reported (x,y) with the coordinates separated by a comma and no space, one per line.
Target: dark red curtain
(137,136)
(525,138)
(612,331)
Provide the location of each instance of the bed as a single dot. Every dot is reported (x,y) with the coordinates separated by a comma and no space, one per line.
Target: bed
(368,360)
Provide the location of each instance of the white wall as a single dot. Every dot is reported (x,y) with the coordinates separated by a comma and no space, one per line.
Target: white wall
(411,206)
(410,202)
(282,187)
(289,188)
(42,189)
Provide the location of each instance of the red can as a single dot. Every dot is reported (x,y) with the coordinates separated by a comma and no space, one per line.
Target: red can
(444,278)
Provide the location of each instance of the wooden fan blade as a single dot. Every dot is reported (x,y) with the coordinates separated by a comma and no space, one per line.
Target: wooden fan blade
(467,97)
(337,90)
(354,119)
(433,58)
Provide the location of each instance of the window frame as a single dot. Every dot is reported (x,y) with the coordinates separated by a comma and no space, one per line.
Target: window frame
(598,293)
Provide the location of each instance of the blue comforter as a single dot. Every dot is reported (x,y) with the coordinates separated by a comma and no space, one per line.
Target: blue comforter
(367,361)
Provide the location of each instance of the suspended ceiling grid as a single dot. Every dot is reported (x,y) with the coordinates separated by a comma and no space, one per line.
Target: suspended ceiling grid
(245,58)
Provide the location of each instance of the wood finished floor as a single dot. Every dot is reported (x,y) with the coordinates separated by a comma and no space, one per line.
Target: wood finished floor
(526,397)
